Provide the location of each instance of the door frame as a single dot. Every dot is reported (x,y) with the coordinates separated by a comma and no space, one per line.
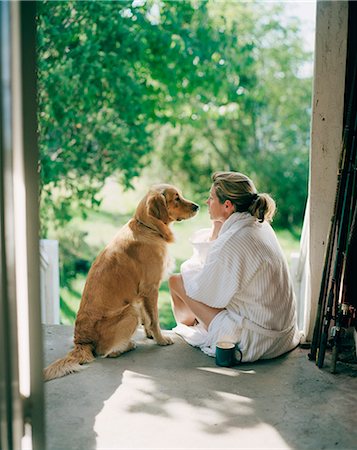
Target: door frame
(21,348)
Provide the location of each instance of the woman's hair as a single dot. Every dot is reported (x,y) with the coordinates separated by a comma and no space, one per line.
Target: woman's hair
(240,190)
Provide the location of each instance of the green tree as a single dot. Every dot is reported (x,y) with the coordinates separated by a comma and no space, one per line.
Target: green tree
(195,86)
(256,118)
(94,103)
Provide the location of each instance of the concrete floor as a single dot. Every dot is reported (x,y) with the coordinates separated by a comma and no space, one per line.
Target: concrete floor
(177,398)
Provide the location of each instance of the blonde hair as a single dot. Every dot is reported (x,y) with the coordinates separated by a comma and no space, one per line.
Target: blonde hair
(240,190)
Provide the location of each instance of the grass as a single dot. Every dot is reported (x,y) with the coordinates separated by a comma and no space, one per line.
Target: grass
(101,226)
(70,296)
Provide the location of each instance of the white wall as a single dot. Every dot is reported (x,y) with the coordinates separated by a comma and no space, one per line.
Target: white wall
(326,136)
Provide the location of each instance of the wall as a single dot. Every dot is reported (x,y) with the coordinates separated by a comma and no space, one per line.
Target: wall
(326,136)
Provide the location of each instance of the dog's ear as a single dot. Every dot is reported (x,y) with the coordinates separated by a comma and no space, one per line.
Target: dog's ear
(157,207)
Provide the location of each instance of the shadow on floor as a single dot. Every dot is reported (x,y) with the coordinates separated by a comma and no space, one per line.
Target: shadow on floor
(176,397)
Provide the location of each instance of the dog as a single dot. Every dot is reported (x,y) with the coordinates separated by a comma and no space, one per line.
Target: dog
(121,290)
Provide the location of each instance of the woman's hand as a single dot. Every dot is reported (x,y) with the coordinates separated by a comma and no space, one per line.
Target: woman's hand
(216,226)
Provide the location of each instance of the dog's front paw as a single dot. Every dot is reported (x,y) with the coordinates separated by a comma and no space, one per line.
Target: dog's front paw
(164,340)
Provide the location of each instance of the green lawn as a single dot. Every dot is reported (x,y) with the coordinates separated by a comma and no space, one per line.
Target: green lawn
(101,226)
(181,249)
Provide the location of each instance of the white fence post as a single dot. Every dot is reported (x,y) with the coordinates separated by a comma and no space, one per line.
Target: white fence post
(50,298)
(300,272)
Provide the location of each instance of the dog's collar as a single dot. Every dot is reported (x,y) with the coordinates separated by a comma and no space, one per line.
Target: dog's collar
(147,226)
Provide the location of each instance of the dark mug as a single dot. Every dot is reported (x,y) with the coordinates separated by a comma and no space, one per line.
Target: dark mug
(227,354)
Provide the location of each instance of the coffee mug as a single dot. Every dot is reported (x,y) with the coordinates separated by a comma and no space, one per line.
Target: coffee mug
(226,354)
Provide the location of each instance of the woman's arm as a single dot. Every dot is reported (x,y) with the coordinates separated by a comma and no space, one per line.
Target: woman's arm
(216,226)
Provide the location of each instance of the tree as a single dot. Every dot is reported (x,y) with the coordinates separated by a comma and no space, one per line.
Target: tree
(197,85)
(94,103)
(257,118)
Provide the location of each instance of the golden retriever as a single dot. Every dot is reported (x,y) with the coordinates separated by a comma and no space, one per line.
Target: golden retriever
(121,289)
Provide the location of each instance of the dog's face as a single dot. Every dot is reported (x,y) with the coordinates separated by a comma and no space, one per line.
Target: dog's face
(166,203)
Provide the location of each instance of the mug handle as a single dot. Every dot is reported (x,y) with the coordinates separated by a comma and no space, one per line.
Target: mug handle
(238,350)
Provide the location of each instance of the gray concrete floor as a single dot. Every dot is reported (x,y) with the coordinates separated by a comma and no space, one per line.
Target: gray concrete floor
(177,398)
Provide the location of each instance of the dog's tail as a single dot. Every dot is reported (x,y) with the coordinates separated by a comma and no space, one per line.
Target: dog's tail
(81,354)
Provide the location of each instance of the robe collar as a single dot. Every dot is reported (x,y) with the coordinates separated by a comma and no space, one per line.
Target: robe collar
(237,220)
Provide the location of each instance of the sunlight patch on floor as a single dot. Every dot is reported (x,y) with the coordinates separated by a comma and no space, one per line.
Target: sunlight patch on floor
(144,411)
(226,371)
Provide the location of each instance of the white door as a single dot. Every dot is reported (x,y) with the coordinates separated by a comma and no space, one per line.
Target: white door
(21,387)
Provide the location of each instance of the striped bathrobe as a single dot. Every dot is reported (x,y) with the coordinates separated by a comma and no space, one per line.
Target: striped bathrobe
(245,272)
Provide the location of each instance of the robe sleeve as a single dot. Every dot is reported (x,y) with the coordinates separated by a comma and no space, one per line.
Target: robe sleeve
(219,279)
(201,244)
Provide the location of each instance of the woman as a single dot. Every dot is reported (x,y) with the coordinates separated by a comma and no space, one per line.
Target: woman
(236,287)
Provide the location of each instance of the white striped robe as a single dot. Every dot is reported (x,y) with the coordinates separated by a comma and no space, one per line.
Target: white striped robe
(245,272)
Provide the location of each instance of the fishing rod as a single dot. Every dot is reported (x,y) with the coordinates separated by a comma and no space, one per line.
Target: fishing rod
(333,299)
(333,226)
(345,309)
